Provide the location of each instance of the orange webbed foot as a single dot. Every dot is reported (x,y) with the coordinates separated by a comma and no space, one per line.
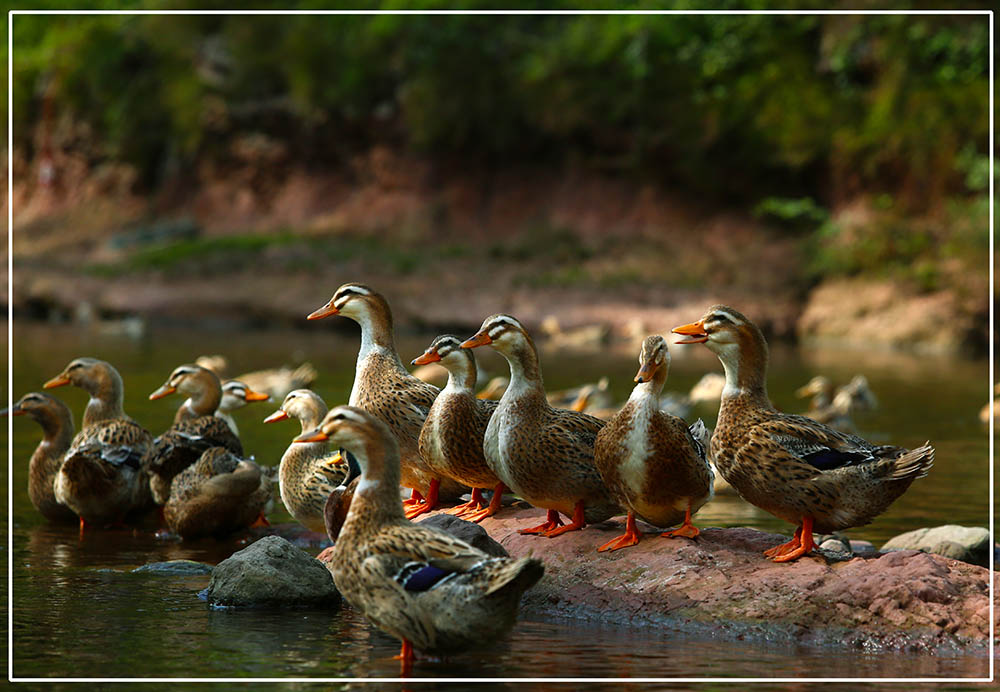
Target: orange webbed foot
(576,524)
(473,506)
(629,538)
(805,543)
(405,658)
(686,530)
(552,520)
(416,497)
(785,547)
(260,521)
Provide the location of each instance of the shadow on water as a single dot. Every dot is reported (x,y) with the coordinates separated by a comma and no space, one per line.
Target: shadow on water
(79,610)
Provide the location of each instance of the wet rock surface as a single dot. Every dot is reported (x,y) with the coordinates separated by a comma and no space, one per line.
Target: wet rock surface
(178,567)
(473,534)
(272,573)
(965,543)
(720,583)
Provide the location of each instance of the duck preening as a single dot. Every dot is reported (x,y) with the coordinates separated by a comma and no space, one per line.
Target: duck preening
(432,591)
(545,455)
(791,466)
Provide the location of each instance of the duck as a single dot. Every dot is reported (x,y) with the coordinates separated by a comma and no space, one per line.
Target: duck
(104,476)
(308,472)
(651,462)
(57,434)
(434,592)
(217,495)
(708,389)
(195,430)
(545,455)
(836,406)
(796,468)
(275,382)
(451,440)
(583,397)
(383,387)
(236,395)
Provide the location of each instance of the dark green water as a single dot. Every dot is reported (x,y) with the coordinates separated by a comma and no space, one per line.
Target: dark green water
(79,612)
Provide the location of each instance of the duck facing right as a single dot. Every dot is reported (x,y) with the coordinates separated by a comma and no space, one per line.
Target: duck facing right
(792,466)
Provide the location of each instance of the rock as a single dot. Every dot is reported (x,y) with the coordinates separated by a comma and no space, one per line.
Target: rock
(272,573)
(721,585)
(836,547)
(473,534)
(965,543)
(181,567)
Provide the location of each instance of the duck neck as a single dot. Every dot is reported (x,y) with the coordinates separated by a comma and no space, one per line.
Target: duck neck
(205,401)
(746,372)
(648,393)
(461,380)
(107,394)
(376,335)
(311,416)
(57,430)
(525,373)
(376,499)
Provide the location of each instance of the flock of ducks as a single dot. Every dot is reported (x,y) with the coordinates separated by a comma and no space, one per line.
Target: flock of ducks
(342,474)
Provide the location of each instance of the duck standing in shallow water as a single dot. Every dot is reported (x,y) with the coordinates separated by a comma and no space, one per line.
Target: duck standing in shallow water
(308,471)
(384,388)
(196,428)
(434,592)
(57,434)
(792,466)
(543,454)
(104,475)
(451,441)
(651,462)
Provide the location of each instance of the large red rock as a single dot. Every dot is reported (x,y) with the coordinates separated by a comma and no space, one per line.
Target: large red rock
(721,582)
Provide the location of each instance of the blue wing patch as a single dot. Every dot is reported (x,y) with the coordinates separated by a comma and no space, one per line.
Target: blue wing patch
(419,576)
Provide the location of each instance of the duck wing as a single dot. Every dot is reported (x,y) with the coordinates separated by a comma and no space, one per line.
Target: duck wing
(818,446)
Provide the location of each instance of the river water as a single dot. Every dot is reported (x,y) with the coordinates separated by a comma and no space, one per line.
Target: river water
(79,611)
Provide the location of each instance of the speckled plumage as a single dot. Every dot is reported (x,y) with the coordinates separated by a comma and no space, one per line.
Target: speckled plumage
(468,599)
(104,474)
(57,434)
(383,387)
(543,454)
(789,465)
(218,494)
(649,460)
(196,428)
(309,471)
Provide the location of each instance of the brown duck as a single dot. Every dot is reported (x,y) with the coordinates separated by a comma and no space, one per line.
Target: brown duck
(57,434)
(195,430)
(451,441)
(218,494)
(384,388)
(105,472)
(651,462)
(309,472)
(792,466)
(543,454)
(434,592)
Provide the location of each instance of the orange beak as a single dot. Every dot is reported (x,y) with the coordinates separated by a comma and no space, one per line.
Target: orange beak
(257,396)
(322,312)
(16,411)
(477,339)
(312,436)
(646,372)
(695,330)
(429,356)
(276,416)
(57,381)
(165,390)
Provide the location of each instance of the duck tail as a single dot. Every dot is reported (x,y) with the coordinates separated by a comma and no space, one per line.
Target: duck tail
(518,574)
(914,463)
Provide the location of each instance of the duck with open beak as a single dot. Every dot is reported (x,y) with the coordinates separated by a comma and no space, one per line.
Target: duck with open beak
(791,466)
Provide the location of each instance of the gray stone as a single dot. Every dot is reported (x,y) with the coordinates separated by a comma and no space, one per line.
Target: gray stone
(966,543)
(272,572)
(472,533)
(836,547)
(181,567)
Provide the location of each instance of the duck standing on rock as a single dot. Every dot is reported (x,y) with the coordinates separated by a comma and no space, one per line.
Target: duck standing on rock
(792,466)
(196,428)
(543,454)
(218,494)
(451,441)
(57,434)
(384,388)
(308,471)
(104,475)
(651,462)
(434,592)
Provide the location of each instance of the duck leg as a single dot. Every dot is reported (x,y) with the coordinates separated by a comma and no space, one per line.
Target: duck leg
(493,507)
(405,659)
(687,529)
(429,503)
(416,497)
(474,505)
(552,520)
(260,522)
(577,522)
(806,543)
(631,536)
(785,547)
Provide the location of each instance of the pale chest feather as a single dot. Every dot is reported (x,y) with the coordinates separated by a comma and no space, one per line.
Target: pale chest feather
(637,448)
